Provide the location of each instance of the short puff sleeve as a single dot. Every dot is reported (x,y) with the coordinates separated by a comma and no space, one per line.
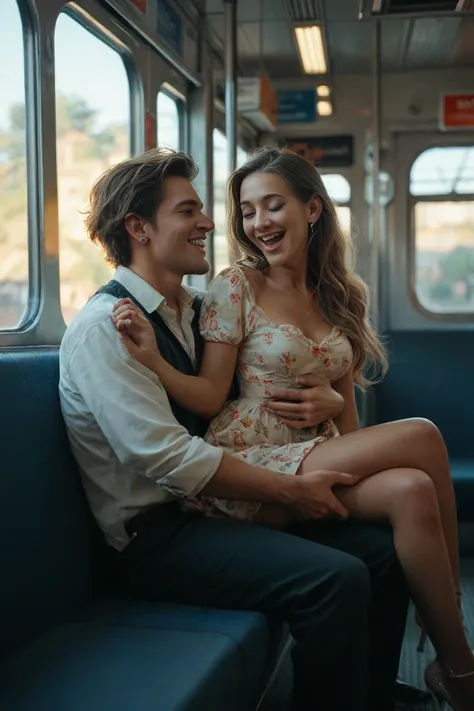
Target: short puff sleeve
(226,309)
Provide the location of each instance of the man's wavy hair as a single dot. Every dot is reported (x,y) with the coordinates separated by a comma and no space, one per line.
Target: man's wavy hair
(132,186)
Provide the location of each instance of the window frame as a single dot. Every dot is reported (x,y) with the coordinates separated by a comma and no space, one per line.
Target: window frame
(446,317)
(34,183)
(181,105)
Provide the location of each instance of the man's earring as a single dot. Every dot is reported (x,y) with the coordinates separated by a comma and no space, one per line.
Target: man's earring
(142,240)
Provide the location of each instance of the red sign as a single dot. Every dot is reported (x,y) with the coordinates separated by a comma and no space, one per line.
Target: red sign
(150,131)
(141,4)
(458,111)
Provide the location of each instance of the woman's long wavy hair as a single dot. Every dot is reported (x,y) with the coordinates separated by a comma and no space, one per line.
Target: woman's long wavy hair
(341,296)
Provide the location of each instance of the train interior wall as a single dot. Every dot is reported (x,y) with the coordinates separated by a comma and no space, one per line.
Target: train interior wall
(431,372)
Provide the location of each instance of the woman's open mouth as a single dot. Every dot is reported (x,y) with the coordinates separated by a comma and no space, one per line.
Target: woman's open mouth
(272,242)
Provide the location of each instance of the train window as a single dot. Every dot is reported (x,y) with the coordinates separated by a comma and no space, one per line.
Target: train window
(442,186)
(14,272)
(241,156)
(168,121)
(93,133)
(339,191)
(447,170)
(220,256)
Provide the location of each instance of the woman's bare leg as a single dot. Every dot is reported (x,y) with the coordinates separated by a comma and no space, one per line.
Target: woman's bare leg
(413,443)
(404,478)
(407,498)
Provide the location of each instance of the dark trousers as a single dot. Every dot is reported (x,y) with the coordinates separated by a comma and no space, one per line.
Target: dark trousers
(337,584)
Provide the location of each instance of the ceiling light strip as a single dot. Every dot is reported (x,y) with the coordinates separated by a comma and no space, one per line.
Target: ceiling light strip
(311,49)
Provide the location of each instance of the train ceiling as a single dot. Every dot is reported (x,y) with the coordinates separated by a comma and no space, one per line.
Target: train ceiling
(266,37)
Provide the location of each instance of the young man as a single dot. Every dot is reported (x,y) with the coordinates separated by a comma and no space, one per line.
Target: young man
(337,584)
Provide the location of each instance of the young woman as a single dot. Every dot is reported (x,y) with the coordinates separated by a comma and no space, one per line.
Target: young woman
(291,306)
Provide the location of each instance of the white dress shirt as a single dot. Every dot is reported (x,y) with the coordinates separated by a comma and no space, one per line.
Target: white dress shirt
(131,451)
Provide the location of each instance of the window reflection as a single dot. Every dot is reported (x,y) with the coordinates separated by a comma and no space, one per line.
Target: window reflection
(339,191)
(443,171)
(168,121)
(444,229)
(241,157)
(444,255)
(221,255)
(93,127)
(13,189)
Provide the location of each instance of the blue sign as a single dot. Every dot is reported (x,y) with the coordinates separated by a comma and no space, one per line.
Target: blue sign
(170,25)
(297,106)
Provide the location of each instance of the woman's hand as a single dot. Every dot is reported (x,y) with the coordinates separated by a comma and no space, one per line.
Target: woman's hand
(136,332)
(315,403)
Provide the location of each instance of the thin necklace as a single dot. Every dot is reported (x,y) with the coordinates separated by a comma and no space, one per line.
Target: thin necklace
(306,312)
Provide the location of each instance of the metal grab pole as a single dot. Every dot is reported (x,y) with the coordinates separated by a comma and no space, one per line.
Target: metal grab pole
(230,35)
(376,141)
(369,412)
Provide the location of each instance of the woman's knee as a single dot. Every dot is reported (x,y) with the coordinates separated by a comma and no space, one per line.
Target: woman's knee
(414,494)
(422,429)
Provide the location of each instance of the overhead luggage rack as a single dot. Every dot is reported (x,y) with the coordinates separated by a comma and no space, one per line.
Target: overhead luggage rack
(384,8)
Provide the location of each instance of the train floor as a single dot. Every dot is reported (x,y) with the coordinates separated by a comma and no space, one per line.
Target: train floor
(412,663)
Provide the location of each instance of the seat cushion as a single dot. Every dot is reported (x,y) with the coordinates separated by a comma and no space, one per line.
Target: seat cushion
(462,471)
(249,632)
(50,547)
(89,666)
(261,642)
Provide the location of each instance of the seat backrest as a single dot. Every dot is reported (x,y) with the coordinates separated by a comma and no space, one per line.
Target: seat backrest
(50,547)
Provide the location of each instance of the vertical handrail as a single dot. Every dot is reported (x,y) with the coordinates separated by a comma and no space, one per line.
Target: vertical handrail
(199,142)
(230,36)
(208,79)
(376,142)
(368,414)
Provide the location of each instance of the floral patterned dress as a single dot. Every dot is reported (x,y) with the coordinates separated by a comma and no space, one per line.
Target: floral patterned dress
(270,355)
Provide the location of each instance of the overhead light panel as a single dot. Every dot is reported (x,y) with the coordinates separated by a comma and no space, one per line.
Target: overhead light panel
(323,90)
(311,48)
(324,108)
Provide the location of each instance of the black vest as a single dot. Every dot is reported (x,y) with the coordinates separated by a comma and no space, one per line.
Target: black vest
(171,350)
